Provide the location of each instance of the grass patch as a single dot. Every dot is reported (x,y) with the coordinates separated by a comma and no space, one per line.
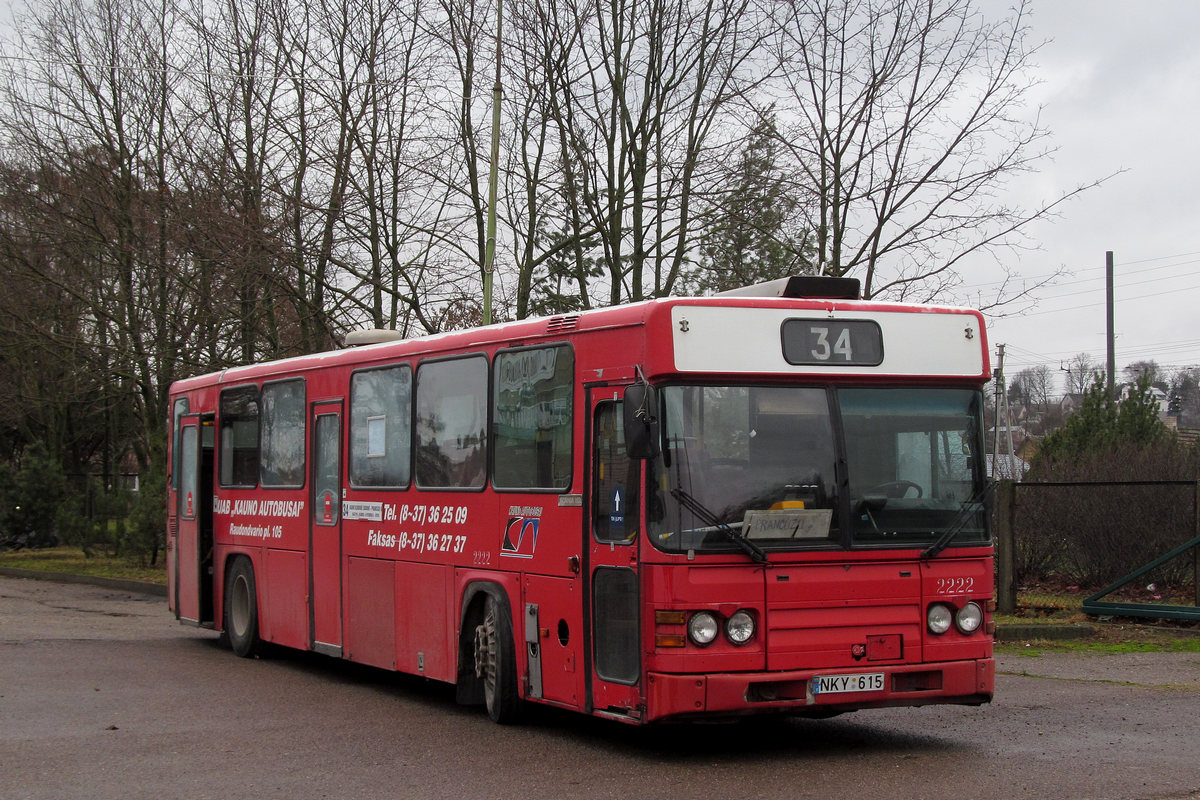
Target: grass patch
(71,560)
(1109,638)
(1159,642)
(1098,635)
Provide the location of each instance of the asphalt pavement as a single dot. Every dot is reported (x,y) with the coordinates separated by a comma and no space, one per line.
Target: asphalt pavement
(104,695)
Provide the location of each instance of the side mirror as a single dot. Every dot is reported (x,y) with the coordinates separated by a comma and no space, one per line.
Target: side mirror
(641,421)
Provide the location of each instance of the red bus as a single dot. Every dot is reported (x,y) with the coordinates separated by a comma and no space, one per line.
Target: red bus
(766,501)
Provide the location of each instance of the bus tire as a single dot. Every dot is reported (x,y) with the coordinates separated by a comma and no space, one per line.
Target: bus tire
(496,663)
(241,609)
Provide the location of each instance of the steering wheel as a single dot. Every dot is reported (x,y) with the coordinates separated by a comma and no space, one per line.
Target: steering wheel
(897,489)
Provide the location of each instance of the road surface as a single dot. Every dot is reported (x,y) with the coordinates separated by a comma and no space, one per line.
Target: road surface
(104,695)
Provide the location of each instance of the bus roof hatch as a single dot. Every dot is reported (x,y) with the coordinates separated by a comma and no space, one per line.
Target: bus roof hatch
(371,336)
(796,286)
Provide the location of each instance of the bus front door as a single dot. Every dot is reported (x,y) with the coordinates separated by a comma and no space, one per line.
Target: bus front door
(612,541)
(325,530)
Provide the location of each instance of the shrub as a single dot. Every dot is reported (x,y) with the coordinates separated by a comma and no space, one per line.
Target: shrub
(1117,520)
(29,508)
(147,520)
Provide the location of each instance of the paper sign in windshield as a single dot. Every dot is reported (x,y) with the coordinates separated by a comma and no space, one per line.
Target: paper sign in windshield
(788,523)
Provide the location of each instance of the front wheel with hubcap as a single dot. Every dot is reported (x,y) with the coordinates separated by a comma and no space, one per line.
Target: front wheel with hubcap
(496,663)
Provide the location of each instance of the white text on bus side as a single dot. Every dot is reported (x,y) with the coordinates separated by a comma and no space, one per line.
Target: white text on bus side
(259,508)
(418,542)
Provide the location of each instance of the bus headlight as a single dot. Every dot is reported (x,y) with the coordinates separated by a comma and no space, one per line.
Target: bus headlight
(703,628)
(969,618)
(939,618)
(739,628)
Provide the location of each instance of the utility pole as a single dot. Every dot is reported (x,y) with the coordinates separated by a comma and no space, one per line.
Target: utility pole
(1112,350)
(1012,453)
(489,258)
(999,375)
(1002,408)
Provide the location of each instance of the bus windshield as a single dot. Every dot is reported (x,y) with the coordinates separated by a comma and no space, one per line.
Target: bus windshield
(762,464)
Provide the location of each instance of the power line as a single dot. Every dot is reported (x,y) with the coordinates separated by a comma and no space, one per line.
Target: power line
(1078,270)
(1122,300)
(1181,345)
(1096,287)
(1023,358)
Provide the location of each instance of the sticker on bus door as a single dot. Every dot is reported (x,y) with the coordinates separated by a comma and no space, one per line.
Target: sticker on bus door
(616,518)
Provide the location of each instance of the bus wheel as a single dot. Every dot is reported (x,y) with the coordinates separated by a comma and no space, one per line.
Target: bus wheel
(241,609)
(496,664)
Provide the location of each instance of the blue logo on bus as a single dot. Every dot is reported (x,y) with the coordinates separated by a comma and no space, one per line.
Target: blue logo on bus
(520,537)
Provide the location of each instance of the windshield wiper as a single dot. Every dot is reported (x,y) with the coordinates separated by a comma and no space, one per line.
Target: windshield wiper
(960,521)
(701,512)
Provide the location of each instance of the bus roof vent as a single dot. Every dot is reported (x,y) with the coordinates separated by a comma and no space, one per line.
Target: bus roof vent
(559,324)
(813,286)
(371,336)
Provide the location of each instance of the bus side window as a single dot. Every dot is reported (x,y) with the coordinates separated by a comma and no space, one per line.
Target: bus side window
(189,487)
(239,437)
(180,408)
(614,499)
(451,425)
(381,428)
(282,452)
(531,418)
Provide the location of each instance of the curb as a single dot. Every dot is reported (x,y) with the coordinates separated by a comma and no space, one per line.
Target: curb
(140,587)
(1025,633)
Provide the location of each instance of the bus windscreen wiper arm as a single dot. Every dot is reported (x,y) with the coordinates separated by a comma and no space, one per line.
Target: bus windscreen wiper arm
(701,512)
(960,521)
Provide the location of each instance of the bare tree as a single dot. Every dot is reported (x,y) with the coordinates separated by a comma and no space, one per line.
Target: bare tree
(239,108)
(1080,369)
(396,222)
(642,99)
(1183,399)
(465,30)
(1148,369)
(1033,386)
(909,119)
(87,119)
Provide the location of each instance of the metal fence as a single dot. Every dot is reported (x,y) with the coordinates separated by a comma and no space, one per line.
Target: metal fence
(1135,545)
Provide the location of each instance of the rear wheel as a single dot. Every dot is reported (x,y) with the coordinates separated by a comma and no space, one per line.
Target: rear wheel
(496,663)
(241,609)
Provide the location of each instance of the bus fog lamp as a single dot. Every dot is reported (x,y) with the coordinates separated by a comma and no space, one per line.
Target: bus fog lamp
(939,618)
(703,628)
(739,628)
(969,618)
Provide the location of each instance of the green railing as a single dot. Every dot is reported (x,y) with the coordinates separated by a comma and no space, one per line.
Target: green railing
(1096,606)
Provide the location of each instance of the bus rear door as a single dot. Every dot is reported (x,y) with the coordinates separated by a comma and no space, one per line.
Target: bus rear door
(192,551)
(325,530)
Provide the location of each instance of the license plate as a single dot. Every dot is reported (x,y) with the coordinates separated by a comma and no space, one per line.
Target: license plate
(842,684)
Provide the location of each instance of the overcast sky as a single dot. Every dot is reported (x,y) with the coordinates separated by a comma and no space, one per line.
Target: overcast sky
(1121,91)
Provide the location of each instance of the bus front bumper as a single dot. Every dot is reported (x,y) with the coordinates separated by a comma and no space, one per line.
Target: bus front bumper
(818,693)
